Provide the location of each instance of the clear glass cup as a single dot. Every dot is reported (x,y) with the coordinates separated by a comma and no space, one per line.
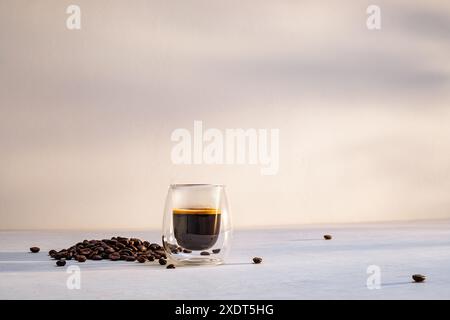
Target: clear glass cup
(196,224)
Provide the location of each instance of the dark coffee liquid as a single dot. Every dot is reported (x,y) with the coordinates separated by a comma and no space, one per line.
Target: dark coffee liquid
(196,229)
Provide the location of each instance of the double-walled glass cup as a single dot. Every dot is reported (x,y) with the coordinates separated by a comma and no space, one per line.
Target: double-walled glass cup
(197,224)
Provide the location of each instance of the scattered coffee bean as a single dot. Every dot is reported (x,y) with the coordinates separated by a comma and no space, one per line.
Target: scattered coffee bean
(327,237)
(141,259)
(204,253)
(257,260)
(35,249)
(419,277)
(81,258)
(187,251)
(216,251)
(61,263)
(170,266)
(162,261)
(51,253)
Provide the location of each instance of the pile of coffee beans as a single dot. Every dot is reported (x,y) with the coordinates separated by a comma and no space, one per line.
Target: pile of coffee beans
(114,249)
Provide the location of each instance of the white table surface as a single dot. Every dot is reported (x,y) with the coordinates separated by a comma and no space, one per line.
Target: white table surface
(298,264)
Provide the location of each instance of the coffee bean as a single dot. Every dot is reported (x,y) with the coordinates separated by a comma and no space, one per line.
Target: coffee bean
(121,246)
(125,252)
(35,249)
(51,253)
(257,260)
(141,259)
(162,261)
(170,266)
(85,252)
(419,277)
(327,237)
(61,263)
(187,251)
(151,258)
(204,253)
(81,258)
(59,256)
(154,246)
(96,257)
(114,257)
(110,250)
(130,258)
(216,251)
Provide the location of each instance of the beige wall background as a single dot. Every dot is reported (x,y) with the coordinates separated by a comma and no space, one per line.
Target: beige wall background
(86,116)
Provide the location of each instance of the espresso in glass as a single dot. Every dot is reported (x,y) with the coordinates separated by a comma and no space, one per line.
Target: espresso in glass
(196,228)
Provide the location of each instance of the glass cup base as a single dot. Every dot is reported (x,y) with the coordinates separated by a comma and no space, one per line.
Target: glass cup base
(198,261)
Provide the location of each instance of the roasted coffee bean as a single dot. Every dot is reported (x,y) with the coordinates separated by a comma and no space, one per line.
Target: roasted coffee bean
(154,246)
(85,252)
(162,261)
(110,250)
(125,252)
(120,246)
(171,266)
(130,258)
(59,256)
(257,260)
(327,237)
(151,258)
(35,249)
(141,248)
(187,251)
(51,253)
(61,263)
(141,259)
(81,258)
(204,253)
(419,277)
(216,251)
(146,243)
(114,257)
(96,257)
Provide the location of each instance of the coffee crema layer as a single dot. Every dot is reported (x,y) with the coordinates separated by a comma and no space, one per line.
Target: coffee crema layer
(197,211)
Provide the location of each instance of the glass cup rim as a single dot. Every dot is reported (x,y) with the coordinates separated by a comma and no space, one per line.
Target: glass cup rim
(193,185)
